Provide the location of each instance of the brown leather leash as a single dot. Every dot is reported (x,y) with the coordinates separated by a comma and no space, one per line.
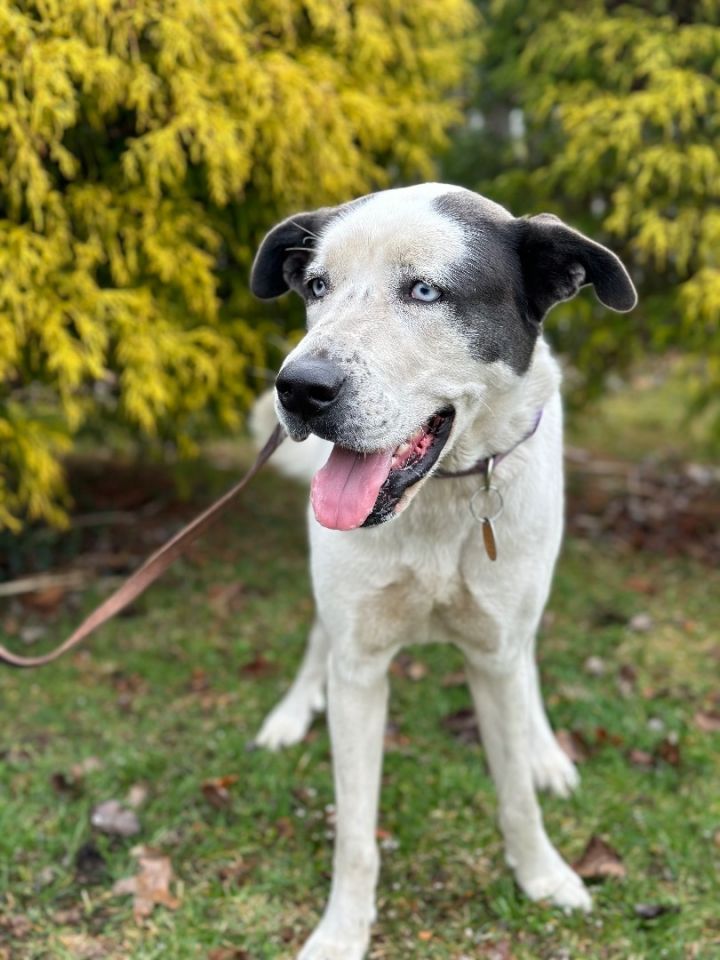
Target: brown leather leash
(153,567)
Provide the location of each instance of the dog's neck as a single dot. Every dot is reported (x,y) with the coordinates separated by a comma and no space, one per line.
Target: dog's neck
(513,419)
(486,464)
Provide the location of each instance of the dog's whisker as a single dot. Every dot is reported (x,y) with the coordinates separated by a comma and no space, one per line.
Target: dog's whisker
(304,229)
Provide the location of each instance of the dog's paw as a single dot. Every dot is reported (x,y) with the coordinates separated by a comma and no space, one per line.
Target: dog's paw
(324,946)
(557,883)
(553,770)
(283,727)
(290,720)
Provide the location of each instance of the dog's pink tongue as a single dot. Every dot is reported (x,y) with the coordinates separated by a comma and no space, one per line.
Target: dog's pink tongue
(344,491)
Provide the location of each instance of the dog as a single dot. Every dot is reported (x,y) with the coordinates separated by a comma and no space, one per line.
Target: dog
(425,387)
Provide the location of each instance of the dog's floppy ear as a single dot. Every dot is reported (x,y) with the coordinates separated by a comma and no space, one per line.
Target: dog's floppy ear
(557,260)
(285,251)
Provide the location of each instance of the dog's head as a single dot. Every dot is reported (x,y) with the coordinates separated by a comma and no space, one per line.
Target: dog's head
(424,306)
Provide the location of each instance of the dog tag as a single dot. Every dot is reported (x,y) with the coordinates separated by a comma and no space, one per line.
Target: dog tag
(484,514)
(489,539)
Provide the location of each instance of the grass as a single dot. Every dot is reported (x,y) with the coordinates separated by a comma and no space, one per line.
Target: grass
(654,418)
(172,695)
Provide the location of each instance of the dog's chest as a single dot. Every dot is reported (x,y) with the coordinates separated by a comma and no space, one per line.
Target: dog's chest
(443,592)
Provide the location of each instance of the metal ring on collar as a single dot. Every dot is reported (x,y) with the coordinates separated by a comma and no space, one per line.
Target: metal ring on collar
(489,516)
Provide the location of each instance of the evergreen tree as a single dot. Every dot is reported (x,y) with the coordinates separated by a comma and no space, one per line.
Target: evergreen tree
(609,115)
(144,149)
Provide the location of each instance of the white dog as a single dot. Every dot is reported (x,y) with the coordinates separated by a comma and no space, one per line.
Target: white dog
(424,376)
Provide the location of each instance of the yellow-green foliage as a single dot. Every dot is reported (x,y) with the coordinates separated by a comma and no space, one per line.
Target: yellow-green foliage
(144,147)
(621,106)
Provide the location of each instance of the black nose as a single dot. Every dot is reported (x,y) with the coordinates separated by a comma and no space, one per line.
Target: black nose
(309,387)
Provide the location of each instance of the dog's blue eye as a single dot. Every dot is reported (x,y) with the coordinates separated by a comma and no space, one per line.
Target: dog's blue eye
(318,287)
(424,292)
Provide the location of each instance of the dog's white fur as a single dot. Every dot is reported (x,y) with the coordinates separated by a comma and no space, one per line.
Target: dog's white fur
(425,575)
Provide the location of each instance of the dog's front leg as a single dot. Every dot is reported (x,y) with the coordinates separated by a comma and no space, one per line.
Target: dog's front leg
(503,708)
(290,720)
(357,707)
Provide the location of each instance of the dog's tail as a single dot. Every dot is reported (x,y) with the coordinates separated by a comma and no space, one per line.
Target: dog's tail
(301,461)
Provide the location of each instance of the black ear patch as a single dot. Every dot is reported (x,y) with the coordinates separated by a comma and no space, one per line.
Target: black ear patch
(285,252)
(557,260)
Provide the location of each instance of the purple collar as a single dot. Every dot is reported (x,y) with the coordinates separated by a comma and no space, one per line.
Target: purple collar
(482,466)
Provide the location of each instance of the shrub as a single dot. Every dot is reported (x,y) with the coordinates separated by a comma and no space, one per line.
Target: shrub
(609,115)
(144,148)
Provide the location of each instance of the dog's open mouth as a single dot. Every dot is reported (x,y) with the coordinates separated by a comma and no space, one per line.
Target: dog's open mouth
(363,489)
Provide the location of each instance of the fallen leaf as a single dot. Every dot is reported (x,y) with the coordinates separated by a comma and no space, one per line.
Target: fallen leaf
(462,724)
(236,872)
(44,877)
(137,795)
(112,818)
(417,670)
(199,681)
(226,598)
(228,953)
(604,738)
(641,623)
(259,666)
(650,911)
(573,744)
(641,758)
(64,785)
(395,740)
(498,950)
(88,765)
(17,925)
(627,678)
(642,585)
(595,666)
(151,885)
(457,678)
(72,783)
(128,687)
(599,860)
(406,666)
(216,790)
(285,827)
(708,721)
(84,947)
(72,917)
(669,751)
(46,600)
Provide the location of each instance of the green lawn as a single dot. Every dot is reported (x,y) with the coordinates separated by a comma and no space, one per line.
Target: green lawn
(172,695)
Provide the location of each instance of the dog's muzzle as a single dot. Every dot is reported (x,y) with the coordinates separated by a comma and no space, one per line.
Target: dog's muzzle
(357,486)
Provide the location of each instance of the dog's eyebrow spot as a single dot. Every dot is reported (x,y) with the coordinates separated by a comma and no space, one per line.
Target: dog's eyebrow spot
(484,286)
